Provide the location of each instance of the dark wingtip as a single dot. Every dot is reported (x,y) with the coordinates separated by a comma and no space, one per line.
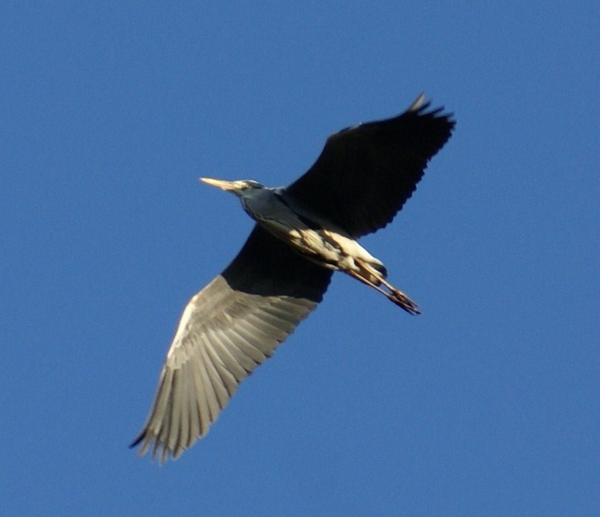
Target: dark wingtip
(137,441)
(420,107)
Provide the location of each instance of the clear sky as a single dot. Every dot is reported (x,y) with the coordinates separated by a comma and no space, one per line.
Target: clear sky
(486,405)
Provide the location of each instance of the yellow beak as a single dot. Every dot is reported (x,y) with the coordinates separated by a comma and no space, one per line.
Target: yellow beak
(222,184)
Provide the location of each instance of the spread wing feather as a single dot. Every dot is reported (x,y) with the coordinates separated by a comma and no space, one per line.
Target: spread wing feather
(226,330)
(365,173)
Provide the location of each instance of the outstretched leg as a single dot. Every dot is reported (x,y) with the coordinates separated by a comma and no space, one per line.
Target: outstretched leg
(395,295)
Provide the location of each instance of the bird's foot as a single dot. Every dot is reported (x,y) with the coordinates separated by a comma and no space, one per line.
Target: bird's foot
(402,301)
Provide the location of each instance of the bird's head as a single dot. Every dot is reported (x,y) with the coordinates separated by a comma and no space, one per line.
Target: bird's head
(240,188)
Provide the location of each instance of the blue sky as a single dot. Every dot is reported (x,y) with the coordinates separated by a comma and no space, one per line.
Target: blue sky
(487,404)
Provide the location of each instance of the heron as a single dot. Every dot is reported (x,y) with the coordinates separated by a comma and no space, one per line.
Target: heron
(303,233)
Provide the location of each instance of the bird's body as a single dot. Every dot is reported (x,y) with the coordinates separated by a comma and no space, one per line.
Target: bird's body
(314,237)
(303,233)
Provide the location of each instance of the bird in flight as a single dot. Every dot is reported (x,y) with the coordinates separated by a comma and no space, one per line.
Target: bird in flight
(303,233)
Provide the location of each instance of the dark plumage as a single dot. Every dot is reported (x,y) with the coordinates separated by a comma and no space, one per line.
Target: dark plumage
(303,233)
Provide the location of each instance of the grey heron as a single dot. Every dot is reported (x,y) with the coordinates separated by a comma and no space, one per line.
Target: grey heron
(303,233)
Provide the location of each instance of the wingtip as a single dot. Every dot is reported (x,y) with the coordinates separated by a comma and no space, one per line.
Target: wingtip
(420,107)
(136,442)
(417,103)
(159,451)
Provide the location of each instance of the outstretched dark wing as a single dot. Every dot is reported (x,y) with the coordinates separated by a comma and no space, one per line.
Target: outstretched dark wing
(226,330)
(365,173)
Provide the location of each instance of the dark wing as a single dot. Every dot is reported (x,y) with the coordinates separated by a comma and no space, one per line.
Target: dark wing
(365,173)
(226,330)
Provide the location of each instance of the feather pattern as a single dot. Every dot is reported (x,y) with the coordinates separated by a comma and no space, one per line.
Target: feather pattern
(226,330)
